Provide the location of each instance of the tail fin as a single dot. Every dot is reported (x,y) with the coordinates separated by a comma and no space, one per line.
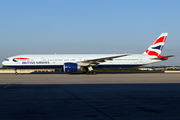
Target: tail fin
(156,48)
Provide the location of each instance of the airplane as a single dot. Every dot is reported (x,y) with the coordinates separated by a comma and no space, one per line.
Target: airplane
(88,62)
(146,69)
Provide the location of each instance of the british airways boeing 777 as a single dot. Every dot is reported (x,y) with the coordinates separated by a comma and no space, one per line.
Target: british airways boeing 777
(88,62)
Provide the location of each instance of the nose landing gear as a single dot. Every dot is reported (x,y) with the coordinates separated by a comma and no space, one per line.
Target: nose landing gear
(16,73)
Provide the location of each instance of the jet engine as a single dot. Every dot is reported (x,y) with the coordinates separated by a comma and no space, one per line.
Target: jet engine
(70,67)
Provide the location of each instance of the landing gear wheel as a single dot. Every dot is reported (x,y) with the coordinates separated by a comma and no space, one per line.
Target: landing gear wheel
(16,73)
(91,73)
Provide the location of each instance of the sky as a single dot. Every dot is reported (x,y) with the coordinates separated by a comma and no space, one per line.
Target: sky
(88,26)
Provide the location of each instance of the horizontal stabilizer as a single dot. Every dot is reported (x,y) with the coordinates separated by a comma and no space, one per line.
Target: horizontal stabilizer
(163,57)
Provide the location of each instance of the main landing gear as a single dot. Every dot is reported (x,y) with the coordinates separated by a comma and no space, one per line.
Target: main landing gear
(89,71)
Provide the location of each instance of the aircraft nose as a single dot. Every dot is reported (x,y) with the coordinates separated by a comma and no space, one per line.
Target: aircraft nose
(4,62)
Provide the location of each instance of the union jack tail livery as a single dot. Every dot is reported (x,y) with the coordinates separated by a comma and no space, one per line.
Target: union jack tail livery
(156,48)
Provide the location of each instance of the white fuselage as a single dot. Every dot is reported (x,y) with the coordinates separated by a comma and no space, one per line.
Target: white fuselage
(75,62)
(58,60)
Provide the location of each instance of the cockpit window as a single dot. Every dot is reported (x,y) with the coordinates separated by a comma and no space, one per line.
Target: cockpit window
(6,59)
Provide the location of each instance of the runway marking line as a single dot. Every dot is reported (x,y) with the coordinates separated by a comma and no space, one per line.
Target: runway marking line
(7,86)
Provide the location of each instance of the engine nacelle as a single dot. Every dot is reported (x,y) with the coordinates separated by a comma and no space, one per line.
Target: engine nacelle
(70,67)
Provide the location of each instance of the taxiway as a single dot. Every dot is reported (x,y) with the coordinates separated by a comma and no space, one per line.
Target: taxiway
(102,96)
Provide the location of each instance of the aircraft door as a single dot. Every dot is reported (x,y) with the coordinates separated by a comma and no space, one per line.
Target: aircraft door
(18,62)
(79,58)
(140,59)
(43,59)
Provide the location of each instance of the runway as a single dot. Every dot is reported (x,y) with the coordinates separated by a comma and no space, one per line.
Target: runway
(102,96)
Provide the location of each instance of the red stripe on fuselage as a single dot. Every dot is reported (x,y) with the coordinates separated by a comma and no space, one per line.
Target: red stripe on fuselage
(20,58)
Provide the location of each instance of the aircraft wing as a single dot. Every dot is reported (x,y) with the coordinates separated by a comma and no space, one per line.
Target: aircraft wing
(161,58)
(98,60)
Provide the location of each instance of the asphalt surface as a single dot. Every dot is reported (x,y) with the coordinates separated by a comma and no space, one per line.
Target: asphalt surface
(153,96)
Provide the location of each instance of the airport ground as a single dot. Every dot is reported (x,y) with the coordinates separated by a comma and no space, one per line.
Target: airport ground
(123,96)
